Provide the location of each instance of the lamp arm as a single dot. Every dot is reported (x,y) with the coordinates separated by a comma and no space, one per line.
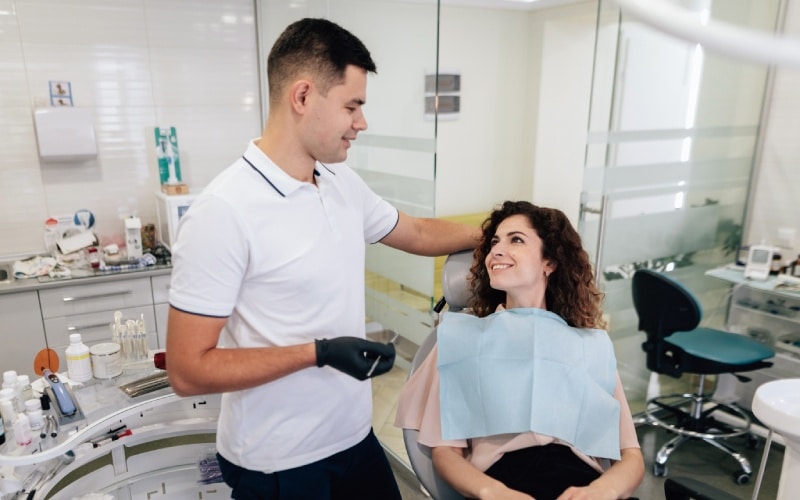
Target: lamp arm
(741,43)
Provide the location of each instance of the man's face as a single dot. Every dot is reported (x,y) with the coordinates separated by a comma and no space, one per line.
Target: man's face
(335,119)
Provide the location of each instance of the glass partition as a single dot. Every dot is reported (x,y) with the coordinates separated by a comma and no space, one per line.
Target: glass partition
(671,144)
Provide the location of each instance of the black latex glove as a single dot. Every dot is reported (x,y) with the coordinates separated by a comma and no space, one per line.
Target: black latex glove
(355,356)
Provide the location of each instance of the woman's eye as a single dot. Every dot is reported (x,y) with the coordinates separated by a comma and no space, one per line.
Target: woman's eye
(517,239)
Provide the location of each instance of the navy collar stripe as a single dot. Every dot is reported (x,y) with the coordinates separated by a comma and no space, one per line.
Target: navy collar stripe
(264,176)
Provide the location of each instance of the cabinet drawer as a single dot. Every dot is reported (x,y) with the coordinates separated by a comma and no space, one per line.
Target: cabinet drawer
(95,327)
(161,288)
(81,299)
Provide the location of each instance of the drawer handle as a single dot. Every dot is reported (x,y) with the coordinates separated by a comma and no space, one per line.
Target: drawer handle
(98,296)
(86,327)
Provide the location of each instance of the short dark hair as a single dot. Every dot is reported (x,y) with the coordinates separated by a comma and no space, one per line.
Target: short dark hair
(319,47)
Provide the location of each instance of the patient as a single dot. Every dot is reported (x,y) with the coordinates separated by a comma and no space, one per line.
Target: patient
(535,297)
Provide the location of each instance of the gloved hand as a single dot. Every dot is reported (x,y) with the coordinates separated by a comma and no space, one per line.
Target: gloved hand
(355,356)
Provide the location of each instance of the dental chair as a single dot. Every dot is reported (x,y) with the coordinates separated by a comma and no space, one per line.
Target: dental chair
(670,314)
(456,294)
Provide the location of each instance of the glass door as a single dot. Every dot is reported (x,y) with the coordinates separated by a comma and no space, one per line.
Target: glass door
(672,139)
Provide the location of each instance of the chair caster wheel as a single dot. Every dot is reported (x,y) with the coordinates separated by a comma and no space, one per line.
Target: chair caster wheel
(660,470)
(741,477)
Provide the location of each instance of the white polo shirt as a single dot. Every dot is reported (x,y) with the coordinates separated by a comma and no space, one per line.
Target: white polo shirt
(284,261)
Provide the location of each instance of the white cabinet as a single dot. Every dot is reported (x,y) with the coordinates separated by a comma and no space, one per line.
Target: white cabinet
(161,305)
(772,317)
(88,309)
(21,331)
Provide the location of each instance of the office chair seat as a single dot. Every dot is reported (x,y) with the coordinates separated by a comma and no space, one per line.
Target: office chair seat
(731,352)
(670,316)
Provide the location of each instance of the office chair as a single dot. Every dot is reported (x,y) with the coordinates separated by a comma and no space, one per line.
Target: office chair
(456,294)
(670,314)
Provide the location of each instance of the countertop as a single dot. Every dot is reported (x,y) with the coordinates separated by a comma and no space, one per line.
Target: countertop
(80,277)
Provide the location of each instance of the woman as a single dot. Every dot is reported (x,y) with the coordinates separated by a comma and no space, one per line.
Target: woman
(530,261)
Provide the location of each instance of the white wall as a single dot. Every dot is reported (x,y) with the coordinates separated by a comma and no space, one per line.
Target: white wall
(140,63)
(776,203)
(565,73)
(485,156)
(134,64)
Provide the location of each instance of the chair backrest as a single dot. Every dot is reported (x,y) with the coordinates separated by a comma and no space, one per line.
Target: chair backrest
(664,307)
(456,292)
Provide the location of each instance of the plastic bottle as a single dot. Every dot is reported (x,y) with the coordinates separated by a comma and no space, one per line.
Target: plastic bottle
(51,236)
(25,389)
(8,410)
(22,430)
(33,408)
(10,382)
(79,362)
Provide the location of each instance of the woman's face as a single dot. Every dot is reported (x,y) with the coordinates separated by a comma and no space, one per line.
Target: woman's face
(515,264)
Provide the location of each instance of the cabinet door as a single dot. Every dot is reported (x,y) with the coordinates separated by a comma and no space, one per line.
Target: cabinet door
(162,314)
(161,306)
(94,297)
(161,288)
(95,327)
(21,331)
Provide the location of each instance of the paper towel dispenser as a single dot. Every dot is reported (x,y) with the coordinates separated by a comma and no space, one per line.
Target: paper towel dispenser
(65,134)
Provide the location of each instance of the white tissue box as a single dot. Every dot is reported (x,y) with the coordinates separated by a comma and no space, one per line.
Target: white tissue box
(76,242)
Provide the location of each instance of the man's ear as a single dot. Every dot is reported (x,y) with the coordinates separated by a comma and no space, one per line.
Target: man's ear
(299,93)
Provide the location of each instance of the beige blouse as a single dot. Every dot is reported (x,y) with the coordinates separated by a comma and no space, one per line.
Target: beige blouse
(419,409)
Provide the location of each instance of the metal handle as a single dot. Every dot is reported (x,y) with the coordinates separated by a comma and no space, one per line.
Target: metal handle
(97,296)
(601,229)
(86,327)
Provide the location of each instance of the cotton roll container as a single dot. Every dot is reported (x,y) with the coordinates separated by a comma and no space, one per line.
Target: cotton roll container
(106,361)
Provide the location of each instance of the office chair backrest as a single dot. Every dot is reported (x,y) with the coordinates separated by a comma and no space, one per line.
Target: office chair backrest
(664,307)
(456,292)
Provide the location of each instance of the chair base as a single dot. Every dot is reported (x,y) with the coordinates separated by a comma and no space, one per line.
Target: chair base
(690,416)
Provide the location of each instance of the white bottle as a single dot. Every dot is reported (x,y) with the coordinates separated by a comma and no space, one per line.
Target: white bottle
(22,430)
(79,363)
(10,382)
(25,389)
(33,408)
(8,408)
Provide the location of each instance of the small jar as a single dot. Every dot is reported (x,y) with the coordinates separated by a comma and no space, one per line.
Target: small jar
(33,408)
(776,265)
(795,267)
(94,257)
(106,361)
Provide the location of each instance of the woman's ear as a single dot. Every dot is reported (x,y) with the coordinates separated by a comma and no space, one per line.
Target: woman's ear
(549,267)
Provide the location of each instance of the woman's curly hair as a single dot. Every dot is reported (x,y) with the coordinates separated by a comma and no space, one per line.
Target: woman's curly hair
(571,291)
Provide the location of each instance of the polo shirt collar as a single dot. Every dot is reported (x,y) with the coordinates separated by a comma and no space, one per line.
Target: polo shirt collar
(281,182)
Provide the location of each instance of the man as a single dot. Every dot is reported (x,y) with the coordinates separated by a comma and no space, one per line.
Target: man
(267,292)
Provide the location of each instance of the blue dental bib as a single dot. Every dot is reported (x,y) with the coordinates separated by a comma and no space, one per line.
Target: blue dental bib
(525,369)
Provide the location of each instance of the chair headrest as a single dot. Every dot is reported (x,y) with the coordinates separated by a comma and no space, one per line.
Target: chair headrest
(455,286)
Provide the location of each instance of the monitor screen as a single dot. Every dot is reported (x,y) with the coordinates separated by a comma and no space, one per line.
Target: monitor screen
(759,256)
